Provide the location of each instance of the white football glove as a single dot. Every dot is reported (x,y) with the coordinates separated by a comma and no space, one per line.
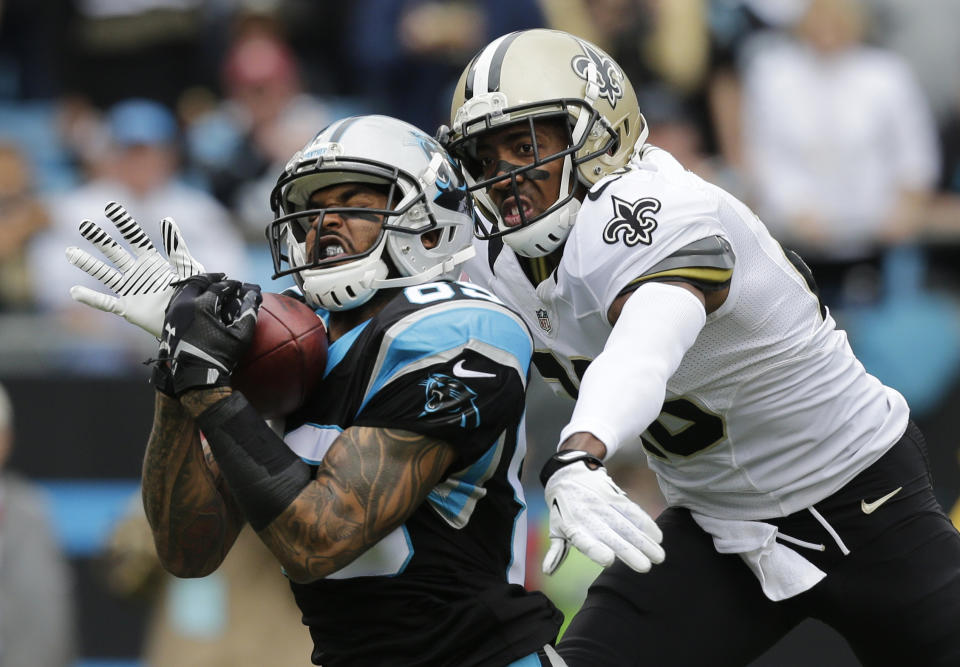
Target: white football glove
(142,281)
(591,512)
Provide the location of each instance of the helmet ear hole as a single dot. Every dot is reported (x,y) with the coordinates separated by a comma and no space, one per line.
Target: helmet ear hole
(431,239)
(615,145)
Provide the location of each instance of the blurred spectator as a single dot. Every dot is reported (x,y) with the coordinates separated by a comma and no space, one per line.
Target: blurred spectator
(408,54)
(843,155)
(675,127)
(242,614)
(139,169)
(925,34)
(656,42)
(37,624)
(942,229)
(731,25)
(841,147)
(116,49)
(322,70)
(943,216)
(662,46)
(22,215)
(265,117)
(29,68)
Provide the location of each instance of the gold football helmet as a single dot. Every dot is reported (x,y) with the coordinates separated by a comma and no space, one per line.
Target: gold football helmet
(544,74)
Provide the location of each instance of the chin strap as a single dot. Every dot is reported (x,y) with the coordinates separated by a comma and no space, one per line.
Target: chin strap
(531,241)
(590,96)
(435,271)
(264,475)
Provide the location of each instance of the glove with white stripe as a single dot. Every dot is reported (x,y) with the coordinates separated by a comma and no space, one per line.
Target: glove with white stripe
(593,514)
(209,324)
(142,282)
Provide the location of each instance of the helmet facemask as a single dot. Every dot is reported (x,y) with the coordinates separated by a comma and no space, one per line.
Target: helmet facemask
(556,220)
(541,74)
(398,256)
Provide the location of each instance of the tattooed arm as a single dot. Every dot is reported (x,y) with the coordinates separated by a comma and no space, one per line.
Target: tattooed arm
(192,514)
(370,482)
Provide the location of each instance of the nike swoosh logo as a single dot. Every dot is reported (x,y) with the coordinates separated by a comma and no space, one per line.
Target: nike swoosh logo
(462,372)
(868,508)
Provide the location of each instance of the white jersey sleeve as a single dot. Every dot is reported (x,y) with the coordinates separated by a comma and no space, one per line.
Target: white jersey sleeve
(625,234)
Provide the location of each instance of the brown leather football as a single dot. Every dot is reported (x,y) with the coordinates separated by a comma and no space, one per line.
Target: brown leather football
(286,359)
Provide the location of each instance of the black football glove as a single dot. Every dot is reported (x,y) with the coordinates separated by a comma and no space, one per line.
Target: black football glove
(209,324)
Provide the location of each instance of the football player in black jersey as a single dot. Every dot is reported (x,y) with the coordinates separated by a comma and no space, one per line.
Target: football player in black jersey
(393,500)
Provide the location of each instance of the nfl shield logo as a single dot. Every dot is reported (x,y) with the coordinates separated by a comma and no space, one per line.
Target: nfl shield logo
(544,320)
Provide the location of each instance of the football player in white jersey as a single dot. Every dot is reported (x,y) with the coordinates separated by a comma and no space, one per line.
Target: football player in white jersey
(797,485)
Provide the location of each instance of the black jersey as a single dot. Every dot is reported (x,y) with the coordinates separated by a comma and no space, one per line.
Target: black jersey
(447,360)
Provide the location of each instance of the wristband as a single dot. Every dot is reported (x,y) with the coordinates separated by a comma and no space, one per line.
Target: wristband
(264,475)
(565,458)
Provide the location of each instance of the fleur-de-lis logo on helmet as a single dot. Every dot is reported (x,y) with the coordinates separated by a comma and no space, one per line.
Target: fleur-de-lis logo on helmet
(610,73)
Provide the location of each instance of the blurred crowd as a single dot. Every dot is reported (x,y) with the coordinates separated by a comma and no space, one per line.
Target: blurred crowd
(838,121)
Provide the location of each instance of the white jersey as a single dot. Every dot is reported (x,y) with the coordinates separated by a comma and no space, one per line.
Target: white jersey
(769,411)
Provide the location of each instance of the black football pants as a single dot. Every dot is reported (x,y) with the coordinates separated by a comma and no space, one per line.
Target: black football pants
(895,597)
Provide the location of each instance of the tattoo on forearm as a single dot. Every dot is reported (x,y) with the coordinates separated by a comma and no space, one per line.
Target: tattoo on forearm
(370,482)
(198,400)
(189,509)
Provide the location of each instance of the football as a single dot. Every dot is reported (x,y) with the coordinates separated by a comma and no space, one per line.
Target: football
(286,359)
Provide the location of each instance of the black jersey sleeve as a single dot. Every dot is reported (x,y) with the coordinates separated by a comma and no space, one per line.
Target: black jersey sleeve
(454,369)
(467,401)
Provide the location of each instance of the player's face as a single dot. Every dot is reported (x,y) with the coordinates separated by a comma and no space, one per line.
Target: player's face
(346,232)
(505,150)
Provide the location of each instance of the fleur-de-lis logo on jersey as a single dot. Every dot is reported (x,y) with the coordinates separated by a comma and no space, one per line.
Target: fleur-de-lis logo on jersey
(611,75)
(633,221)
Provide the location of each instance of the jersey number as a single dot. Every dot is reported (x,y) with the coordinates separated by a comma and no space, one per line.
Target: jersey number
(439,291)
(552,370)
(683,428)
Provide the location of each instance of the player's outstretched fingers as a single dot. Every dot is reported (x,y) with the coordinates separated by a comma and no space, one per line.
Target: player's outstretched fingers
(94,299)
(178,254)
(94,267)
(129,228)
(112,250)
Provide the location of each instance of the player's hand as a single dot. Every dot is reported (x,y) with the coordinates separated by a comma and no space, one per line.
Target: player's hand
(209,324)
(593,514)
(142,282)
